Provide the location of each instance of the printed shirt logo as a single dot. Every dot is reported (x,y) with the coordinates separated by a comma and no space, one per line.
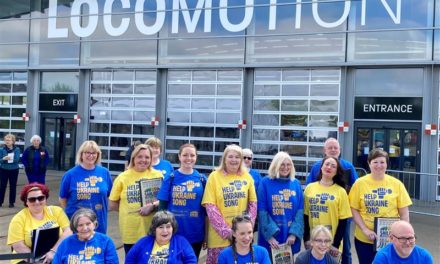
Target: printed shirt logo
(376,199)
(281,201)
(238,184)
(181,194)
(85,256)
(86,188)
(318,204)
(190,185)
(286,193)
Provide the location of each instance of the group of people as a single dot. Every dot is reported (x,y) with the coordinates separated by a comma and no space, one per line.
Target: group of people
(218,212)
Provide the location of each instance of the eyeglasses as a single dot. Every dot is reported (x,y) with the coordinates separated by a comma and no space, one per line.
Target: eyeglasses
(90,153)
(247,158)
(405,239)
(322,242)
(34,199)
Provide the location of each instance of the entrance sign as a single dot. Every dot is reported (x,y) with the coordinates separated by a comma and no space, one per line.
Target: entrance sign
(179,7)
(389,108)
(58,102)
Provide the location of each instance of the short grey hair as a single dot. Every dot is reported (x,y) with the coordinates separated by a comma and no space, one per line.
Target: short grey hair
(35,137)
(160,218)
(248,151)
(82,212)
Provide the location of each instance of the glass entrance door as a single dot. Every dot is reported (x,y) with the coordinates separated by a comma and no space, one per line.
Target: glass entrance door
(400,140)
(58,135)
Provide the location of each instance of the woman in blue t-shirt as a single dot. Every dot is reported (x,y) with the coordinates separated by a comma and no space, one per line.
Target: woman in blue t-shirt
(321,240)
(241,250)
(181,193)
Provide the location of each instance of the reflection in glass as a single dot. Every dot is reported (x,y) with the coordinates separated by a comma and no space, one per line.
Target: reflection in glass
(19,88)
(231,75)
(146,76)
(145,102)
(204,160)
(144,130)
(123,75)
(174,144)
(5,87)
(121,128)
(295,105)
(17,112)
(315,152)
(145,88)
(296,75)
(17,124)
(14,55)
(143,116)
(100,88)
(294,120)
(265,134)
(321,135)
(293,135)
(202,103)
(323,121)
(122,88)
(101,141)
(179,89)
(101,75)
(60,82)
(100,101)
(221,145)
(324,106)
(265,149)
(5,112)
(126,102)
(267,105)
(19,100)
(204,76)
(295,150)
(176,76)
(99,127)
(122,115)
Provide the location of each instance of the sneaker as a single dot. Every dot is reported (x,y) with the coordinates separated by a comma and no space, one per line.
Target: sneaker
(11,205)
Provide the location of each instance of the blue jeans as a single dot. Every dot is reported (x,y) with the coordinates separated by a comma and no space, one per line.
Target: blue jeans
(346,248)
(365,252)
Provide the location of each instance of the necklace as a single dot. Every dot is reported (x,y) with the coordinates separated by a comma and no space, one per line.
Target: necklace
(326,183)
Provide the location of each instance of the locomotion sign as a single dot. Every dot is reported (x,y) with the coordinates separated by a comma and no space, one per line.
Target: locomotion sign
(389,108)
(115,26)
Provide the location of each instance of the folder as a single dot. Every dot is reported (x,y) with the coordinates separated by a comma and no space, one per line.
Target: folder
(43,240)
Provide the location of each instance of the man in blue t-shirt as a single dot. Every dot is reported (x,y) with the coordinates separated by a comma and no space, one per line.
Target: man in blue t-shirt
(332,149)
(403,248)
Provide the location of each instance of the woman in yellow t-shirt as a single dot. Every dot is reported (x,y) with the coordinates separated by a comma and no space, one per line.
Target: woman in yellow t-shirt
(229,192)
(36,215)
(125,197)
(375,195)
(326,203)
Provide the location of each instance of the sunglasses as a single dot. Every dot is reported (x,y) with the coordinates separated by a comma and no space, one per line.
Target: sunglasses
(242,218)
(34,199)
(247,158)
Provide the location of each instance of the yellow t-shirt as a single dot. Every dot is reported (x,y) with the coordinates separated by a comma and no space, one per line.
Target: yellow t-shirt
(377,199)
(22,224)
(159,254)
(325,205)
(231,194)
(126,190)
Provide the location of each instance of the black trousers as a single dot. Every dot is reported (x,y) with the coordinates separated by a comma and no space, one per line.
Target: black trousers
(10,176)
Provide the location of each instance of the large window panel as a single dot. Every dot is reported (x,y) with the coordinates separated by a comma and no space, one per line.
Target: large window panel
(121,108)
(13,103)
(295,110)
(207,118)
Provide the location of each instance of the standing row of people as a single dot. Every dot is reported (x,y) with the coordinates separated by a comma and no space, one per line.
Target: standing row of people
(285,213)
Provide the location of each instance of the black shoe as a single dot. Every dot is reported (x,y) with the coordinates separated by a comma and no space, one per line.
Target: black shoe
(11,205)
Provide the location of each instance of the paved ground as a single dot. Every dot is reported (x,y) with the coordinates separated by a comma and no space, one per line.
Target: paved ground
(426,227)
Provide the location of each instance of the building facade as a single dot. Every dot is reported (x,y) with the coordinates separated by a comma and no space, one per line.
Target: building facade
(272,75)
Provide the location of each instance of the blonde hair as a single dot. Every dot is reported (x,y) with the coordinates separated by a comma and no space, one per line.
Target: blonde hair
(88,145)
(11,136)
(320,229)
(154,142)
(228,149)
(136,151)
(274,168)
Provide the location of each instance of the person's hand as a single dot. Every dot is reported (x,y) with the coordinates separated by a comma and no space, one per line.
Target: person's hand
(308,244)
(204,245)
(146,209)
(370,234)
(48,257)
(290,240)
(334,252)
(273,243)
(6,158)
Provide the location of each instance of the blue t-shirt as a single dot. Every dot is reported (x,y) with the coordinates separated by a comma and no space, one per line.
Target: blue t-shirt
(261,256)
(281,199)
(314,260)
(184,199)
(165,167)
(99,249)
(87,189)
(388,255)
(256,176)
(347,167)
